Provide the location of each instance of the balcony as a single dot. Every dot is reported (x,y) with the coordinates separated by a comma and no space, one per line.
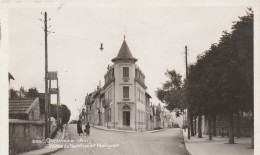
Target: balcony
(106,103)
(138,80)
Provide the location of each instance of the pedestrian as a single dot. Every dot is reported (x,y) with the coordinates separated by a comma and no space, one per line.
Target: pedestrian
(79,127)
(87,129)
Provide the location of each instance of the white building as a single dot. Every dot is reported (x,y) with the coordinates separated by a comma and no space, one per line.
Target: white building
(124,99)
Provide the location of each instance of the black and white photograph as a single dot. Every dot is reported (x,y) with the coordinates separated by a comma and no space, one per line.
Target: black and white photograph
(132,77)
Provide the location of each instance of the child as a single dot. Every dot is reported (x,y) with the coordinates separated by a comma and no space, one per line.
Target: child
(87,129)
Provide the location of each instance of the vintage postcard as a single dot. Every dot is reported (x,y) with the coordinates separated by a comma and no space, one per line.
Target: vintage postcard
(129,77)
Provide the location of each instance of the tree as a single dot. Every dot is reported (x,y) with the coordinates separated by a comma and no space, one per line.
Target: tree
(13,94)
(32,93)
(221,81)
(172,93)
(53,112)
(65,114)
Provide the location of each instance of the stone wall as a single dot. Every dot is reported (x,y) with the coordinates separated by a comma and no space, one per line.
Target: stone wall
(22,135)
(222,126)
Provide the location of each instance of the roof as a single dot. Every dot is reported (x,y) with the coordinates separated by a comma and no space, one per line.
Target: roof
(124,53)
(10,76)
(146,93)
(22,106)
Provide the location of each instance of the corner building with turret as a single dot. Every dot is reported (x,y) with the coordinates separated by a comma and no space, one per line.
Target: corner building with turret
(123,97)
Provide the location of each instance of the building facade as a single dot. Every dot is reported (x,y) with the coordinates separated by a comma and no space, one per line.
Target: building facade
(122,102)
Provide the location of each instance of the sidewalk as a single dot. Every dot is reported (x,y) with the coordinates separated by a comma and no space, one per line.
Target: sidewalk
(128,131)
(217,146)
(45,150)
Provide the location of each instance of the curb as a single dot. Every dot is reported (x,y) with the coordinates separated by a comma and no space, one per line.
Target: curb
(51,152)
(114,130)
(58,149)
(130,131)
(154,131)
(187,146)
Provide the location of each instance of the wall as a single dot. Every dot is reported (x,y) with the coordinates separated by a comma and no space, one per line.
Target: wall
(117,113)
(119,82)
(222,125)
(34,114)
(22,133)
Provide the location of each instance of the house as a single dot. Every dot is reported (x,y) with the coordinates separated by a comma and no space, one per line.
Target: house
(25,125)
(25,109)
(122,102)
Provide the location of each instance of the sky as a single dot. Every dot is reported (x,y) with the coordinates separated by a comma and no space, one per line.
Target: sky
(156,36)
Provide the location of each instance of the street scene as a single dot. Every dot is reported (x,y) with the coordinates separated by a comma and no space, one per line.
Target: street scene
(161,142)
(131,80)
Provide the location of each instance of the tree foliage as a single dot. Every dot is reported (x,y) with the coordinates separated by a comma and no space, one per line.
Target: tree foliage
(32,93)
(171,92)
(221,81)
(13,94)
(65,114)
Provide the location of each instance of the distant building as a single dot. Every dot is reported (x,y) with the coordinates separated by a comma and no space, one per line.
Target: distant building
(122,102)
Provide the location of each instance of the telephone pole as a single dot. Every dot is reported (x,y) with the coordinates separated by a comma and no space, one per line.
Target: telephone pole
(46,79)
(58,104)
(188,115)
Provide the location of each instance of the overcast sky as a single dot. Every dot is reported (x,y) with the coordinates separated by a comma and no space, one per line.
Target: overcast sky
(156,36)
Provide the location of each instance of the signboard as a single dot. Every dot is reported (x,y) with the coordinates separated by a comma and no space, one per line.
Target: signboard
(52,75)
(53,90)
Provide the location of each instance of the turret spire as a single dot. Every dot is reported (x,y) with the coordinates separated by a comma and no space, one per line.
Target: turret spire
(124,53)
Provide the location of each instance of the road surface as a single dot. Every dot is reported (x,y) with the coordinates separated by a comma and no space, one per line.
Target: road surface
(166,142)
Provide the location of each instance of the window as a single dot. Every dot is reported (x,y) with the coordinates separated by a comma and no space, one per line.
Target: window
(125,92)
(125,72)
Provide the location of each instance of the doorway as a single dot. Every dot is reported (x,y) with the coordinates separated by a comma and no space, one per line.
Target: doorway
(126,118)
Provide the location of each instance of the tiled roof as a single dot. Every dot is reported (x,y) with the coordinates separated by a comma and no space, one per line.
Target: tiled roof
(124,53)
(21,106)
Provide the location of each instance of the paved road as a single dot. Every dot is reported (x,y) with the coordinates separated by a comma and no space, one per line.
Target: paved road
(167,142)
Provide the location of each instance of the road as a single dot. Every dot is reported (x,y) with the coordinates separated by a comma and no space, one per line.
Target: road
(166,142)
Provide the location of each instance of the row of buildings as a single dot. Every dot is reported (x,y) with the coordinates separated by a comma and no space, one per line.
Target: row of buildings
(123,102)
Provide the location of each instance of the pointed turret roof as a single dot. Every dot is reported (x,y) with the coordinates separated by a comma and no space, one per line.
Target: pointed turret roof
(124,53)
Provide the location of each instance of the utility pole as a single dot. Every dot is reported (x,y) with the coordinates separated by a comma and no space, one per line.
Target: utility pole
(49,108)
(58,103)
(188,110)
(46,80)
